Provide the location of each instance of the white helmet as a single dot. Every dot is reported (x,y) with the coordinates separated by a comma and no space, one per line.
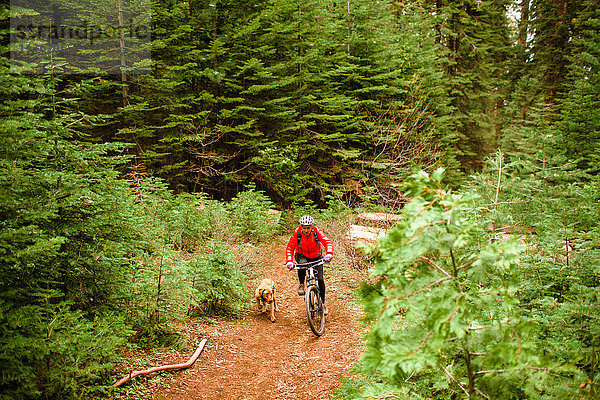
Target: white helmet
(306,220)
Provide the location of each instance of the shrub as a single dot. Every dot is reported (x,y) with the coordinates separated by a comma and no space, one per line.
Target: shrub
(190,217)
(249,214)
(159,292)
(218,282)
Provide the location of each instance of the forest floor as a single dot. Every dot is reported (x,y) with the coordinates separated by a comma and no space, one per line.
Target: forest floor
(252,358)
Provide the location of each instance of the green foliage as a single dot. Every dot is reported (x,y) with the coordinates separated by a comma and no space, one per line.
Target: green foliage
(156,293)
(361,388)
(161,286)
(249,213)
(218,282)
(578,124)
(83,259)
(260,92)
(56,352)
(281,170)
(559,270)
(191,219)
(552,43)
(319,104)
(444,313)
(66,228)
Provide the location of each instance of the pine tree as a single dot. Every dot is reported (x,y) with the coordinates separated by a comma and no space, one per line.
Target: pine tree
(551,21)
(443,313)
(183,119)
(556,271)
(65,233)
(402,91)
(578,124)
(304,118)
(476,40)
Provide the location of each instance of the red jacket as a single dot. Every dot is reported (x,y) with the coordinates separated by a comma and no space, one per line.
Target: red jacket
(308,245)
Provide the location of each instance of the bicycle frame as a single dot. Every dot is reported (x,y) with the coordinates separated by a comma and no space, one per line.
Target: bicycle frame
(310,270)
(312,297)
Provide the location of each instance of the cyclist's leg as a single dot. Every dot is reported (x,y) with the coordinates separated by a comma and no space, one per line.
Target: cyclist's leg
(300,259)
(321,282)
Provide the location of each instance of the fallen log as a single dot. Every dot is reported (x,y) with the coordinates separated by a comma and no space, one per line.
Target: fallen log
(365,234)
(170,367)
(377,219)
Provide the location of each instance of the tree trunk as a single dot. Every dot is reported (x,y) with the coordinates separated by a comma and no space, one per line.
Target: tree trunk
(524,22)
(124,89)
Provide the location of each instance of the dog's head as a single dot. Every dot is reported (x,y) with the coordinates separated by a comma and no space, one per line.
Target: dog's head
(267,294)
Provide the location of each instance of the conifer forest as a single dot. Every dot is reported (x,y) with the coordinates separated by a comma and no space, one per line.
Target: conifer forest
(144,141)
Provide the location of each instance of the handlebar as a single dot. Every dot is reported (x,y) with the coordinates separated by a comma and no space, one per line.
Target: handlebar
(309,265)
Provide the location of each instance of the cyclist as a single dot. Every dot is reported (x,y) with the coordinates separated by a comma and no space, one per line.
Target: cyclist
(305,246)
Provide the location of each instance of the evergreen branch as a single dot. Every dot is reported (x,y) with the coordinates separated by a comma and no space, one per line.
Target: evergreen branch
(493,224)
(482,394)
(428,206)
(421,344)
(428,287)
(468,329)
(453,312)
(470,375)
(436,266)
(217,137)
(454,268)
(455,271)
(421,228)
(41,200)
(516,335)
(465,265)
(457,382)
(501,371)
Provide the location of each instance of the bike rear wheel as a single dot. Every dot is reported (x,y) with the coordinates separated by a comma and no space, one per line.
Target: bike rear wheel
(314,310)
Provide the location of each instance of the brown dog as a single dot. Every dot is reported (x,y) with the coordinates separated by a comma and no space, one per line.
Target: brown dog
(265,295)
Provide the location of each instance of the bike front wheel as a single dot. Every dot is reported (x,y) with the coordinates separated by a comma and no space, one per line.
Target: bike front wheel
(314,310)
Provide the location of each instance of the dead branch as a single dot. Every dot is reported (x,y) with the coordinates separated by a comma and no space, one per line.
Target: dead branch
(170,367)
(401,139)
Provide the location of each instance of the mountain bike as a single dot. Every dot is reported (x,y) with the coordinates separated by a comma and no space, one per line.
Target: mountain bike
(312,297)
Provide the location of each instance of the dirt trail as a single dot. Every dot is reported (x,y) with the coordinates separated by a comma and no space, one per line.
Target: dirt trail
(255,359)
